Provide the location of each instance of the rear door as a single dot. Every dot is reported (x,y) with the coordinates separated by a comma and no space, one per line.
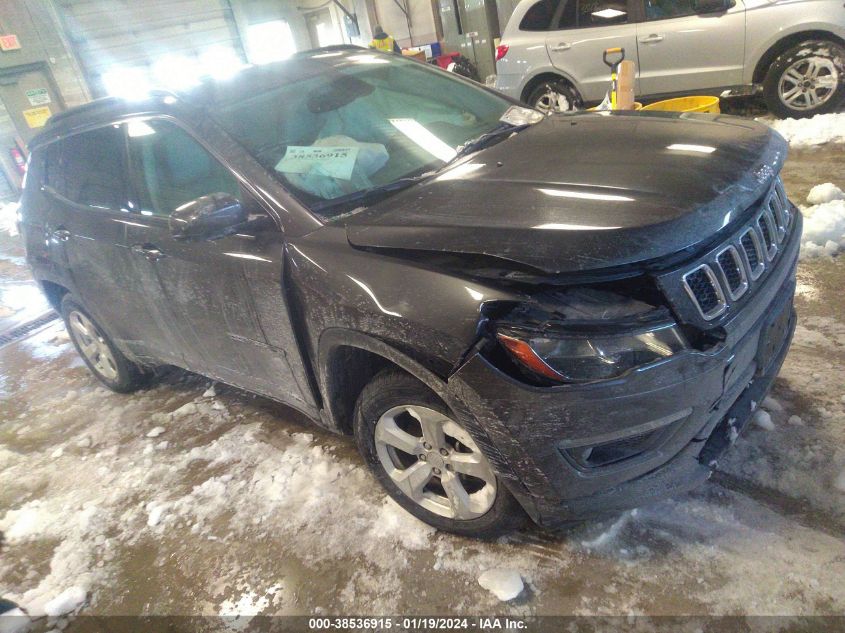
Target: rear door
(87,196)
(225,295)
(581,31)
(680,50)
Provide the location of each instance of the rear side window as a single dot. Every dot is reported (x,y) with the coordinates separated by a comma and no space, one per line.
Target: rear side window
(665,9)
(539,16)
(89,168)
(170,168)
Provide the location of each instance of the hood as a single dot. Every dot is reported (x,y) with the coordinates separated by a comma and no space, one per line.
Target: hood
(586,191)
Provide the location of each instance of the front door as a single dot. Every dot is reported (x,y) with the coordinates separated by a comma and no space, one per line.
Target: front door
(680,50)
(86,189)
(584,30)
(217,291)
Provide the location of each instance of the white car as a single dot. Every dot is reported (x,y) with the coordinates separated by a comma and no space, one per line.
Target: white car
(550,55)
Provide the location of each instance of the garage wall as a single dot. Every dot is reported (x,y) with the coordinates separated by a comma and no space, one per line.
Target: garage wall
(9,180)
(124,33)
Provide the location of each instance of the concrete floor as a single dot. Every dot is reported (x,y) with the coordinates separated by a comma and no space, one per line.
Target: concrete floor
(239,505)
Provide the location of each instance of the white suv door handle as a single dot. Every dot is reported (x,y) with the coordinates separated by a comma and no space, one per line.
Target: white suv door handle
(563,46)
(654,38)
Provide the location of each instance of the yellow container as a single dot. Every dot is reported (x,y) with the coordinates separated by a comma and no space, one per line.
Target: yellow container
(687,104)
(637,106)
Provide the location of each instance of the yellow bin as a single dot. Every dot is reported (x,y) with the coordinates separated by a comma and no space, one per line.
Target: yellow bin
(687,104)
(637,106)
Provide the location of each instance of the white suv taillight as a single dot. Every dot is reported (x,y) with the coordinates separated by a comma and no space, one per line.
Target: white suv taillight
(501,51)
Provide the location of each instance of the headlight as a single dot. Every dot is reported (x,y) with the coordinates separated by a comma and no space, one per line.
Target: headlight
(588,349)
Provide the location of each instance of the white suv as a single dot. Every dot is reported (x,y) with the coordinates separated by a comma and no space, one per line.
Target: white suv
(551,52)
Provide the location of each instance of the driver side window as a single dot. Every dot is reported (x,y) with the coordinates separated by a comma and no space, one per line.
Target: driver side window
(170,168)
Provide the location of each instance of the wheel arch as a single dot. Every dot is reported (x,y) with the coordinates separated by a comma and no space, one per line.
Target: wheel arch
(54,293)
(761,68)
(348,360)
(546,75)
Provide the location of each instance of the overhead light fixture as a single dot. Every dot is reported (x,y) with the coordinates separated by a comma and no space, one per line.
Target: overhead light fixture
(684,147)
(136,129)
(558,226)
(583,195)
(608,14)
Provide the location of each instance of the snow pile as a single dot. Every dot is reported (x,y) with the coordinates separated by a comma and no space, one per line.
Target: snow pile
(9,217)
(505,584)
(608,536)
(763,419)
(824,221)
(839,482)
(817,130)
(69,600)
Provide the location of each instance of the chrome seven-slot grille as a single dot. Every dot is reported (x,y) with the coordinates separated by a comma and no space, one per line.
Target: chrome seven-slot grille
(729,274)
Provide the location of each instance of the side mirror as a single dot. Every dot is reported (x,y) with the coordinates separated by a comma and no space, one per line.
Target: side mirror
(207,218)
(711,6)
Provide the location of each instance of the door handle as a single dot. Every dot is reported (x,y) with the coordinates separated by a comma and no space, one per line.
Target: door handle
(563,46)
(61,235)
(654,38)
(148,251)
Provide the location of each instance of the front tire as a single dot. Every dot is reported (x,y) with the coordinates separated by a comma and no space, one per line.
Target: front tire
(427,462)
(555,96)
(806,80)
(104,360)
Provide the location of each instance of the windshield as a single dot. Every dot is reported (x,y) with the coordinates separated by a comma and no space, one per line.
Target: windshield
(357,123)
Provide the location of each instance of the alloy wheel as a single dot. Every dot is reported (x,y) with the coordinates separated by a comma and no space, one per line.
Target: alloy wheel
(808,83)
(435,462)
(552,102)
(92,345)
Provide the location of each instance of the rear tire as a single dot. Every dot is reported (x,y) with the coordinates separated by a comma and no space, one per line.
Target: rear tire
(806,80)
(104,360)
(554,96)
(487,507)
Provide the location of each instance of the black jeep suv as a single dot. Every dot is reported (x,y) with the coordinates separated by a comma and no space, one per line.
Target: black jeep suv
(563,316)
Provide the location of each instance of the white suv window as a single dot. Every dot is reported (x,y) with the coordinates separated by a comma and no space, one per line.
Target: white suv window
(665,9)
(601,12)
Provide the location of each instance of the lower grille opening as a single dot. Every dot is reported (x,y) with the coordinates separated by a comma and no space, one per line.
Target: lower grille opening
(611,452)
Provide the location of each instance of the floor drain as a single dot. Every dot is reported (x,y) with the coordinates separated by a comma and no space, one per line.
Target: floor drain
(27,328)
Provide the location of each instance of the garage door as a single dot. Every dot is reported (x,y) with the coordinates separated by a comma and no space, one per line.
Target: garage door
(111,35)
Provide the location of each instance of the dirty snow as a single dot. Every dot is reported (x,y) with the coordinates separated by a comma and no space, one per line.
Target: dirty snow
(824,221)
(505,584)
(839,482)
(764,420)
(9,217)
(69,600)
(817,130)
(261,491)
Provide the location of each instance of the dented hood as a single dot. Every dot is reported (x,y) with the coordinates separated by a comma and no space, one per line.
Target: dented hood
(586,191)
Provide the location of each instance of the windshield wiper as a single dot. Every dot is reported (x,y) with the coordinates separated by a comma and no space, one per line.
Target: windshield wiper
(366,195)
(482,141)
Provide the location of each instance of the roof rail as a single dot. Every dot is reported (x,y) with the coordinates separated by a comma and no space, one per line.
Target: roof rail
(102,102)
(85,107)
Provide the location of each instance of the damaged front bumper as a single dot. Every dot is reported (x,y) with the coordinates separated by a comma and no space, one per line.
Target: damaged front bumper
(578,450)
